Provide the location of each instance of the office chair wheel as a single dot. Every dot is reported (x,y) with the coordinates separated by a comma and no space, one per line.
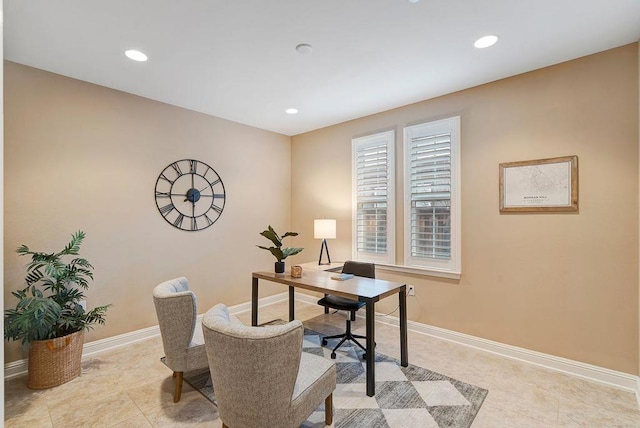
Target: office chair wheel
(333,355)
(324,342)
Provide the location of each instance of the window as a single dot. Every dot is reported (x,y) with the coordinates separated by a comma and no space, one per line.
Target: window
(432,195)
(374,198)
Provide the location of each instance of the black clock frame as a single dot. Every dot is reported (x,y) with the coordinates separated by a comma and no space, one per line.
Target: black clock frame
(170,200)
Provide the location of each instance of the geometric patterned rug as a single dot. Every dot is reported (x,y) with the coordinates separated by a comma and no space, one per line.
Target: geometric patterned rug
(409,396)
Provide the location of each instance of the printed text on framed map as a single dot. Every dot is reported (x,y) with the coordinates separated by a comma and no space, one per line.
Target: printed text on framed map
(544,185)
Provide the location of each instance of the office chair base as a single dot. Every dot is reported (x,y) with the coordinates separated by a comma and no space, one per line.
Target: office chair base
(345,336)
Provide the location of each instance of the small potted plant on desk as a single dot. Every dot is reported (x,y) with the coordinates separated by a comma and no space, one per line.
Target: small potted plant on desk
(50,317)
(278,252)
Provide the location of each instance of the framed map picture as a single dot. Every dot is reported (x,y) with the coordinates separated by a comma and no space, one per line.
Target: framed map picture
(544,185)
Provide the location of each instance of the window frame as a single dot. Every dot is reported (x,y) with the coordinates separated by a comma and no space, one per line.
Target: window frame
(388,138)
(454,264)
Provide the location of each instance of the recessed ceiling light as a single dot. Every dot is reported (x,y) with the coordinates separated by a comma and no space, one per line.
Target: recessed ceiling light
(486,41)
(414,1)
(304,48)
(291,111)
(135,55)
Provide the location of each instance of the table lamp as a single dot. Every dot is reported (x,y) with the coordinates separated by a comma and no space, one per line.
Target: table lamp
(324,229)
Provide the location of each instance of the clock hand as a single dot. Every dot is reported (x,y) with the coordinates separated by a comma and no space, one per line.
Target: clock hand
(211,184)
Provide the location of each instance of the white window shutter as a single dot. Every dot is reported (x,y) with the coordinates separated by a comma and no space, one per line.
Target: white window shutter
(432,221)
(374,198)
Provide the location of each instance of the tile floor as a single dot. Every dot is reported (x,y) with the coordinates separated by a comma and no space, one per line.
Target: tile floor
(130,387)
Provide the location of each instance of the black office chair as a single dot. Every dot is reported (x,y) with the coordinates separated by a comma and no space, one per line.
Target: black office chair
(338,303)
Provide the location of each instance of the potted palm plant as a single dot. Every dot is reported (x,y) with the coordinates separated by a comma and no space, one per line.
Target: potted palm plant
(278,252)
(50,317)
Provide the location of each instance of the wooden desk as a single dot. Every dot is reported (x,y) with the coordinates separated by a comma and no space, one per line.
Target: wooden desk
(358,288)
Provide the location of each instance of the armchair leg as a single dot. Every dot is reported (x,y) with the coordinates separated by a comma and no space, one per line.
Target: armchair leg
(178,391)
(328,410)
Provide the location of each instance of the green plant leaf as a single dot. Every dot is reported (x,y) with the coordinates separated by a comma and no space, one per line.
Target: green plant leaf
(33,319)
(289,251)
(34,276)
(277,253)
(96,315)
(271,235)
(23,250)
(49,305)
(73,247)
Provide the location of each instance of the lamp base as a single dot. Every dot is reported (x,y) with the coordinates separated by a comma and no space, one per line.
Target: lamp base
(323,247)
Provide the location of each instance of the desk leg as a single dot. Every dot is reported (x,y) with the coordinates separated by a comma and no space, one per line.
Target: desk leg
(371,350)
(254,302)
(292,310)
(404,349)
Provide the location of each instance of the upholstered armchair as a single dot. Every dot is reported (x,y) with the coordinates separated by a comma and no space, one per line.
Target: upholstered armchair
(261,376)
(177,312)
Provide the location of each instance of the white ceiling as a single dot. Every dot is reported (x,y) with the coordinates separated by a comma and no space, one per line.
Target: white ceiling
(236,59)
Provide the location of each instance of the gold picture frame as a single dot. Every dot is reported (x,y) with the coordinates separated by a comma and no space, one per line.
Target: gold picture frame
(543,185)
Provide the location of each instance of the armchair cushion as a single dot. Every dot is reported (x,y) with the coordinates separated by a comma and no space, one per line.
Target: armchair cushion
(316,376)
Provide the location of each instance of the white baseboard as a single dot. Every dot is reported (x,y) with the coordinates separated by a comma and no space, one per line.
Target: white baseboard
(15,369)
(19,368)
(574,368)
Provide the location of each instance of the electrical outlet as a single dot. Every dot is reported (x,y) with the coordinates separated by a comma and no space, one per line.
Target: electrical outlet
(412,291)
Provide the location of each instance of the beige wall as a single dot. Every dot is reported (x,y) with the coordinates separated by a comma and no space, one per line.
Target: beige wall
(81,156)
(562,284)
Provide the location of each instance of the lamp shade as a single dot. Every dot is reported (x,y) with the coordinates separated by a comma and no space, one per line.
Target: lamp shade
(324,229)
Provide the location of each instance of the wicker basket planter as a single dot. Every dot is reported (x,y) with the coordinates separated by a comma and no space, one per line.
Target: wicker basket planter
(55,361)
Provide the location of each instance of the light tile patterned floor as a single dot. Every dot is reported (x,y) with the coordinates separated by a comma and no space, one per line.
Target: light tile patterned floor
(130,387)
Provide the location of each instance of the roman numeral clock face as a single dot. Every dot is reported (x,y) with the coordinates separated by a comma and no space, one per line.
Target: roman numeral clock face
(190,195)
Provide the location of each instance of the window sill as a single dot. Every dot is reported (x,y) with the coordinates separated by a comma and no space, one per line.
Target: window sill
(419,271)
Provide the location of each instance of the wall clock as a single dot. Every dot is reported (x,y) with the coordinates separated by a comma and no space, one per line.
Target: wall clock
(190,195)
